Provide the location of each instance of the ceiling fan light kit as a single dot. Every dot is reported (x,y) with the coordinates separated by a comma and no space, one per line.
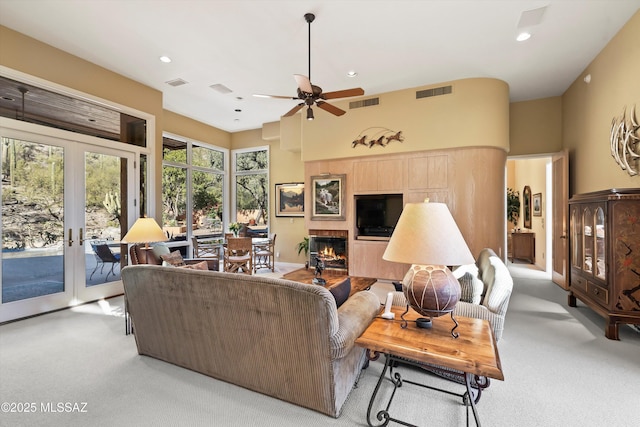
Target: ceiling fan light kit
(310,94)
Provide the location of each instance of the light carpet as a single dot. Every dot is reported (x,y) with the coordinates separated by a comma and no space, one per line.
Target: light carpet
(559,370)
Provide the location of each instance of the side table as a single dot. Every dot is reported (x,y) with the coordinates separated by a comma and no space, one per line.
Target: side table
(474,352)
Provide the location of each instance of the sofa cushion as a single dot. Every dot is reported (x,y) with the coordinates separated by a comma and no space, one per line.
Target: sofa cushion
(341,291)
(471,288)
(174,259)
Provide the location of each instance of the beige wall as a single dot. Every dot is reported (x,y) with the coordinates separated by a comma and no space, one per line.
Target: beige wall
(192,129)
(284,167)
(535,126)
(476,113)
(589,108)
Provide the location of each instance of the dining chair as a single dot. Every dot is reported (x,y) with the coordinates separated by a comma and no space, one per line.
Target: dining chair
(238,255)
(205,250)
(264,254)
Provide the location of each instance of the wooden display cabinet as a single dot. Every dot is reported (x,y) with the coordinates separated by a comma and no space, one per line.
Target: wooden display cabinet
(604,244)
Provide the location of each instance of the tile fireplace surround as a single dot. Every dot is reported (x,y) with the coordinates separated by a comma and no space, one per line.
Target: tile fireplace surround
(331,246)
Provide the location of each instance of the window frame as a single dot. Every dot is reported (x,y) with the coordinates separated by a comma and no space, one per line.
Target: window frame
(233,212)
(189,167)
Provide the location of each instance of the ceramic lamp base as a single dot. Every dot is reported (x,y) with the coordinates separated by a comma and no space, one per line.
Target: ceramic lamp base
(431,290)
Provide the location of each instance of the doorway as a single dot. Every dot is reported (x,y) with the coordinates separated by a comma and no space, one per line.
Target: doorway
(535,174)
(64,209)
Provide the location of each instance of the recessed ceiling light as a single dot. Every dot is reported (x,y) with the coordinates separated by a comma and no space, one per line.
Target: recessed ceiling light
(237,110)
(165,59)
(352,73)
(523,36)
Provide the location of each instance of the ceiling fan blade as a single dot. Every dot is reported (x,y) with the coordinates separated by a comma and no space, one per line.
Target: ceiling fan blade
(294,110)
(343,93)
(303,83)
(330,108)
(259,95)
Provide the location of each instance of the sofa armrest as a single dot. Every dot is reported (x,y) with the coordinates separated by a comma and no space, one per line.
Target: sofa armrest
(354,316)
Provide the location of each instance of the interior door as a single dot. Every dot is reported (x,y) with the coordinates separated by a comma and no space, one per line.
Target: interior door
(54,198)
(560,243)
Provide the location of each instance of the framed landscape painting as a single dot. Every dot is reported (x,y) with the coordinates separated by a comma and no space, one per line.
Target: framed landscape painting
(327,195)
(290,199)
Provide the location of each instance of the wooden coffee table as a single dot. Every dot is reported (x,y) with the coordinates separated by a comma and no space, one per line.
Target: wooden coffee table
(332,278)
(474,352)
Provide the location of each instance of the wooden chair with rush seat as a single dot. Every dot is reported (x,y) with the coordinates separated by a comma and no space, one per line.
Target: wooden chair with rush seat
(238,255)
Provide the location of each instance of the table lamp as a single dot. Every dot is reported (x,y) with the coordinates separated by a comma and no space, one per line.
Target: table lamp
(427,237)
(145,230)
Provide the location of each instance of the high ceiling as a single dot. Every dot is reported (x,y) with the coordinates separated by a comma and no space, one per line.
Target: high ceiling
(255,47)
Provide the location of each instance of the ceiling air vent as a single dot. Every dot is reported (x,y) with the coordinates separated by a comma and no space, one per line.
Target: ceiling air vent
(364,103)
(218,87)
(436,91)
(176,82)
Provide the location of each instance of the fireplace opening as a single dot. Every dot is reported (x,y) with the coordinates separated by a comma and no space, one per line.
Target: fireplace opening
(331,250)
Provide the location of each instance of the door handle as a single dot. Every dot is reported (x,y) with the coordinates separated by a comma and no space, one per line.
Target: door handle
(70,237)
(81,239)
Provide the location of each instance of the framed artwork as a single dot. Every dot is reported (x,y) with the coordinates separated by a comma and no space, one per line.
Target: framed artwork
(537,204)
(526,206)
(290,199)
(327,195)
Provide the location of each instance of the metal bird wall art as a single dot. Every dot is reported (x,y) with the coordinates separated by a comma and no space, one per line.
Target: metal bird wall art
(381,137)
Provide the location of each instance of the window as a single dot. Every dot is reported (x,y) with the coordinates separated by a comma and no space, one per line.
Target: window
(251,187)
(193,182)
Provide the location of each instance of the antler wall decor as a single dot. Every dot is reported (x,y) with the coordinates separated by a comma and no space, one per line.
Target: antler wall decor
(625,141)
(382,137)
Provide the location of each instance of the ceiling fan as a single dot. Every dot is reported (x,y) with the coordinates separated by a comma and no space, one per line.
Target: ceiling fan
(311,94)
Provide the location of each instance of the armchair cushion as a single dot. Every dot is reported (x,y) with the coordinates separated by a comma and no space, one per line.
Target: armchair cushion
(471,288)
(202,265)
(174,259)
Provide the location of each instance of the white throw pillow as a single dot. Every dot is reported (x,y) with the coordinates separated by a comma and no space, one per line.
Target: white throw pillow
(471,288)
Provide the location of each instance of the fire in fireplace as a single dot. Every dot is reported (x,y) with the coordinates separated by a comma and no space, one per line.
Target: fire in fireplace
(331,250)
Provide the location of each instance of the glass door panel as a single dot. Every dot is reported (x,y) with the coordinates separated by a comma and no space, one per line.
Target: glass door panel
(32,220)
(104,221)
(600,267)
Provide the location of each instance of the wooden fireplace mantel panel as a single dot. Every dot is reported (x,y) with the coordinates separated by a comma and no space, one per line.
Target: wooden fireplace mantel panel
(471,181)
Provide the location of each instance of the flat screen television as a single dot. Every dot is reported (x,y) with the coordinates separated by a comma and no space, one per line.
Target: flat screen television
(377,215)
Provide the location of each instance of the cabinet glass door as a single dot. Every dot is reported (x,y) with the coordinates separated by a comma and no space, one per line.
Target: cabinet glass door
(576,238)
(600,267)
(587,241)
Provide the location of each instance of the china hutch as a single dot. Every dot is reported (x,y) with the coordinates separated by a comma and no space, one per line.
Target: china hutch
(604,244)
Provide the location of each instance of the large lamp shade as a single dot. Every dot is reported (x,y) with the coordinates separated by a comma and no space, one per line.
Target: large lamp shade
(427,237)
(145,230)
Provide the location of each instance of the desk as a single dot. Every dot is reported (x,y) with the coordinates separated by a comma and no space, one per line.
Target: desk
(474,352)
(304,275)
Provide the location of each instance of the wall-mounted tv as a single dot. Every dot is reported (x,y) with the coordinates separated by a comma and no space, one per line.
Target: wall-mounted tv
(376,215)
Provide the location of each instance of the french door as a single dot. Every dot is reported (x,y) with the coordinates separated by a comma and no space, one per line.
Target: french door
(64,210)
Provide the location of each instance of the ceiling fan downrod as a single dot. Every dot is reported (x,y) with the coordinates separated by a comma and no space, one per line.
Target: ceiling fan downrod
(309,17)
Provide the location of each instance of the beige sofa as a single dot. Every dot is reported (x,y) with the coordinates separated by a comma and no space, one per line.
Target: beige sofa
(277,337)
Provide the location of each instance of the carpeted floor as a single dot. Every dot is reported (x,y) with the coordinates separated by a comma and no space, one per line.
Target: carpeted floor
(559,369)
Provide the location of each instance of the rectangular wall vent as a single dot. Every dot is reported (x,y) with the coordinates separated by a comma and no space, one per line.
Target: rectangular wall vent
(436,91)
(176,82)
(364,103)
